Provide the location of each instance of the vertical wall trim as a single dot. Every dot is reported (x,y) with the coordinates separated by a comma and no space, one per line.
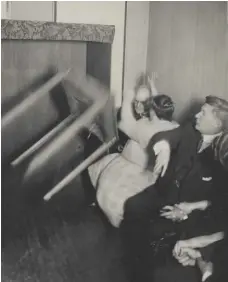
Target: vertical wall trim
(124,47)
(54,11)
(7,6)
(227,12)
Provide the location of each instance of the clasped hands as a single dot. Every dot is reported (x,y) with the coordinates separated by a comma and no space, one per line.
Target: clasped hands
(186,255)
(182,251)
(177,212)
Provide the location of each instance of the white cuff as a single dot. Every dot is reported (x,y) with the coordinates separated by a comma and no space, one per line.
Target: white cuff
(160,146)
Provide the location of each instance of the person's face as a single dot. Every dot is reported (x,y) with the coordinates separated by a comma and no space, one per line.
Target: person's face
(207,121)
(141,96)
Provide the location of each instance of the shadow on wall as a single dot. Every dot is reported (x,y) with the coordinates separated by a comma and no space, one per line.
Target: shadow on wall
(190,111)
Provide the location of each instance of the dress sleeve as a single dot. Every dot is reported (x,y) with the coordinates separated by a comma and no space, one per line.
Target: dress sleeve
(128,123)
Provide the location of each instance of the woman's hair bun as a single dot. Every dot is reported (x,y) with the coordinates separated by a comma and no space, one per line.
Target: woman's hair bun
(163,106)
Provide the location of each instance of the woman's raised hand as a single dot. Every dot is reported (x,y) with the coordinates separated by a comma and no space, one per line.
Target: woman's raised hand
(152,79)
(154,76)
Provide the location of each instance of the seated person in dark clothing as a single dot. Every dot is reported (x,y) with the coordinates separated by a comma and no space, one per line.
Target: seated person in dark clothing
(195,166)
(213,258)
(211,154)
(203,205)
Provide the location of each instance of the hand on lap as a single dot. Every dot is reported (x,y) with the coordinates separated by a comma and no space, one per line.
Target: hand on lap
(174,213)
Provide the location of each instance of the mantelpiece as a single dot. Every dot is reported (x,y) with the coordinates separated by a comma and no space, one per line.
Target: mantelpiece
(35,30)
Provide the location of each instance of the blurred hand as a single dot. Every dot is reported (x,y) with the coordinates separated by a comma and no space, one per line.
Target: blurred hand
(173,213)
(162,160)
(154,76)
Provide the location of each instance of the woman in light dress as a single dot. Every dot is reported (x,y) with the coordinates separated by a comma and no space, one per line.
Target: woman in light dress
(117,177)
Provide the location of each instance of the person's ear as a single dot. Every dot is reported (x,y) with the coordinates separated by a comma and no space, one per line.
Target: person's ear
(218,123)
(197,115)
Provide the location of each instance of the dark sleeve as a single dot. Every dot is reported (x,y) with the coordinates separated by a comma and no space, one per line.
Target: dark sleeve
(183,140)
(219,196)
(165,196)
(219,199)
(219,259)
(183,143)
(186,152)
(171,136)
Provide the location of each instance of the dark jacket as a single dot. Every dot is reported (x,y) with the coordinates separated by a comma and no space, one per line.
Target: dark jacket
(191,177)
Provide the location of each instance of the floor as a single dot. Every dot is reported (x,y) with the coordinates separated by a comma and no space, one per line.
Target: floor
(61,245)
(63,240)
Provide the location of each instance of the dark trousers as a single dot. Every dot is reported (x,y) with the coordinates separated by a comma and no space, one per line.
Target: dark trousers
(140,228)
(136,229)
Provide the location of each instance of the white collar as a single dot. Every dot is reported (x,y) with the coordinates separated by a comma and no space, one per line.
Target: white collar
(210,138)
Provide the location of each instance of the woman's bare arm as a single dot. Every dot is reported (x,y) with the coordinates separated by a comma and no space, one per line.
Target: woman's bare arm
(199,242)
(189,207)
(128,122)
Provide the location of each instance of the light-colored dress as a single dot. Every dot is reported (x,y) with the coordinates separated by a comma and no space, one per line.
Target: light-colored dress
(118,177)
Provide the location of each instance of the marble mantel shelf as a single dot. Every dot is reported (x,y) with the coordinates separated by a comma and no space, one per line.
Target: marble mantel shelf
(35,30)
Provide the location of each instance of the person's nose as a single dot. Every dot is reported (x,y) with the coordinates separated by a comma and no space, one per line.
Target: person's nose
(197,115)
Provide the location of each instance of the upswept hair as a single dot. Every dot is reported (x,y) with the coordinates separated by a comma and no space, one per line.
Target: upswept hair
(221,109)
(163,106)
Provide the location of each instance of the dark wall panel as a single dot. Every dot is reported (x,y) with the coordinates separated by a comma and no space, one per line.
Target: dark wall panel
(99,61)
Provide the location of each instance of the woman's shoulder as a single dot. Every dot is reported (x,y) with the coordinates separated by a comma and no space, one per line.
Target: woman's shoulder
(172,136)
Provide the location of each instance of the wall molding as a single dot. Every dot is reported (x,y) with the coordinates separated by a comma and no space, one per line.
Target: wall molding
(6,9)
(36,30)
